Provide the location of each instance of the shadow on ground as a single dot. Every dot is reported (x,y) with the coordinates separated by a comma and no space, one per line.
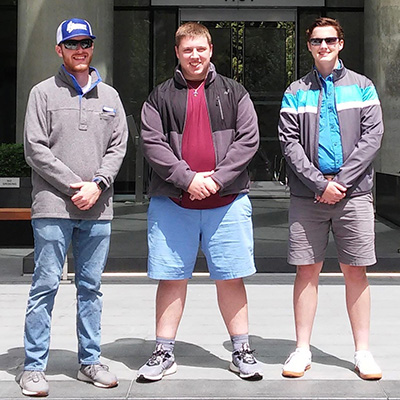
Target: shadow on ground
(133,352)
(276,351)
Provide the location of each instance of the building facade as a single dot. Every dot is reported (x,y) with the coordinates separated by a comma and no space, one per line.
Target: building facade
(260,43)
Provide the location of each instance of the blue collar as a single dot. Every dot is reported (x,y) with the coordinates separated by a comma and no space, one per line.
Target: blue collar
(339,66)
(95,81)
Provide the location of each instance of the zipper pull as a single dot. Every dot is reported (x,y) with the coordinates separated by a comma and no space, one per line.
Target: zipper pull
(220,108)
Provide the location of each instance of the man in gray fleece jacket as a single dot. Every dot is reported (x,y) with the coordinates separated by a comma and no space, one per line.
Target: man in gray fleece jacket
(75,141)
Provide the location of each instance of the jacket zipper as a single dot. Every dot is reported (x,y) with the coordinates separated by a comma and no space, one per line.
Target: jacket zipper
(183,132)
(316,140)
(211,127)
(220,108)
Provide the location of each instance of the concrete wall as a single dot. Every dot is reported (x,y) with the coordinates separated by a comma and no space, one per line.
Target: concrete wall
(37,24)
(382,65)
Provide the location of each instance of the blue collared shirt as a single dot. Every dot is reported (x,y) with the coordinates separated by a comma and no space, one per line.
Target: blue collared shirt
(330,153)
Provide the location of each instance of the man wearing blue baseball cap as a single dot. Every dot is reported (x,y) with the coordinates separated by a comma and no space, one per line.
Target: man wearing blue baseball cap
(75,140)
(73,27)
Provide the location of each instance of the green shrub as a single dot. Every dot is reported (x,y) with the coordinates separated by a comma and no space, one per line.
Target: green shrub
(12,160)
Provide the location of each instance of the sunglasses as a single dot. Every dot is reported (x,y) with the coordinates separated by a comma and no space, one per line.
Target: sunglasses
(73,44)
(330,41)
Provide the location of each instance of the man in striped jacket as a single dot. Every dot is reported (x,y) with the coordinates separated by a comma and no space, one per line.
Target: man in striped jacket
(330,130)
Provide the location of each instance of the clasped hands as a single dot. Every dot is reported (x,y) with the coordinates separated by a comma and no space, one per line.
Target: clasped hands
(333,193)
(202,186)
(86,196)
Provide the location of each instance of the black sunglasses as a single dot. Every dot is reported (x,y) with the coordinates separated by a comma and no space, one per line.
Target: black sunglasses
(330,41)
(73,44)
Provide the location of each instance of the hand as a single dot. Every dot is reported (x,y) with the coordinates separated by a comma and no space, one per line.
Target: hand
(202,186)
(211,186)
(86,196)
(333,193)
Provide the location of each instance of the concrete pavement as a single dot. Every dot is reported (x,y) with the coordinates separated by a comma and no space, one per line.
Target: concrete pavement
(203,347)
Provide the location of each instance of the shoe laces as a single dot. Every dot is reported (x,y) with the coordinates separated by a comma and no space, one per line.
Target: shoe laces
(291,355)
(159,355)
(36,376)
(298,352)
(94,368)
(364,356)
(245,354)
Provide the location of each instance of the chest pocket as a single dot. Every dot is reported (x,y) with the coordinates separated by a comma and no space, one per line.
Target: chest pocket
(107,114)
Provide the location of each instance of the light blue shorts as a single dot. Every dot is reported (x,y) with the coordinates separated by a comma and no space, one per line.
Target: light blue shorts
(225,234)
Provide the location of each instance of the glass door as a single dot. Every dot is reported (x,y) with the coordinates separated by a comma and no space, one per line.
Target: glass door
(256,48)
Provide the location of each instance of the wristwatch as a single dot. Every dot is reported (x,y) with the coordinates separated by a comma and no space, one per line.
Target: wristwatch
(102,186)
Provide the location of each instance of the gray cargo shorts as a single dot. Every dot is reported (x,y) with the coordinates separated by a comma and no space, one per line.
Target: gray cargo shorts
(351,221)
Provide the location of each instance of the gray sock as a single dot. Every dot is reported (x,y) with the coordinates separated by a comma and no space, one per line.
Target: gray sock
(168,344)
(238,341)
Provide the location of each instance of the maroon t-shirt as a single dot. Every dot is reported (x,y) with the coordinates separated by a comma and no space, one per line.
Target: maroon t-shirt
(198,147)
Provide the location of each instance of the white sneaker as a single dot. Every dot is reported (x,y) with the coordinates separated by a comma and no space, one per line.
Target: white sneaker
(33,383)
(366,366)
(297,363)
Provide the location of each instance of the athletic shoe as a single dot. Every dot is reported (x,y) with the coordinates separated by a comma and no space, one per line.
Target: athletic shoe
(297,363)
(33,383)
(366,366)
(159,364)
(98,374)
(245,364)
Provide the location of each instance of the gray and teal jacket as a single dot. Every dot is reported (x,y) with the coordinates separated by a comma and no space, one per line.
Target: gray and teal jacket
(71,137)
(361,129)
(234,129)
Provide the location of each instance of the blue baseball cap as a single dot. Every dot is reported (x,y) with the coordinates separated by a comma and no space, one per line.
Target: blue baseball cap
(73,27)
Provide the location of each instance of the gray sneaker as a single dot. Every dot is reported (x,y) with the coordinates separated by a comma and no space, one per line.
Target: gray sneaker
(245,364)
(33,383)
(98,374)
(159,364)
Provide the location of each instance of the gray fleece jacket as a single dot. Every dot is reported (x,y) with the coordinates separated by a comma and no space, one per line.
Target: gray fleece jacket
(71,137)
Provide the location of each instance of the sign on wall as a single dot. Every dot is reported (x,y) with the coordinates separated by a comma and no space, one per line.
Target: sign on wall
(9,183)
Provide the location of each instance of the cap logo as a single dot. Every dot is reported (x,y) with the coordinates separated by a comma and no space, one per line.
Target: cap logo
(73,26)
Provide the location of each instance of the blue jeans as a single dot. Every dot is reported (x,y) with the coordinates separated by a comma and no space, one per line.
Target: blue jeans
(90,242)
